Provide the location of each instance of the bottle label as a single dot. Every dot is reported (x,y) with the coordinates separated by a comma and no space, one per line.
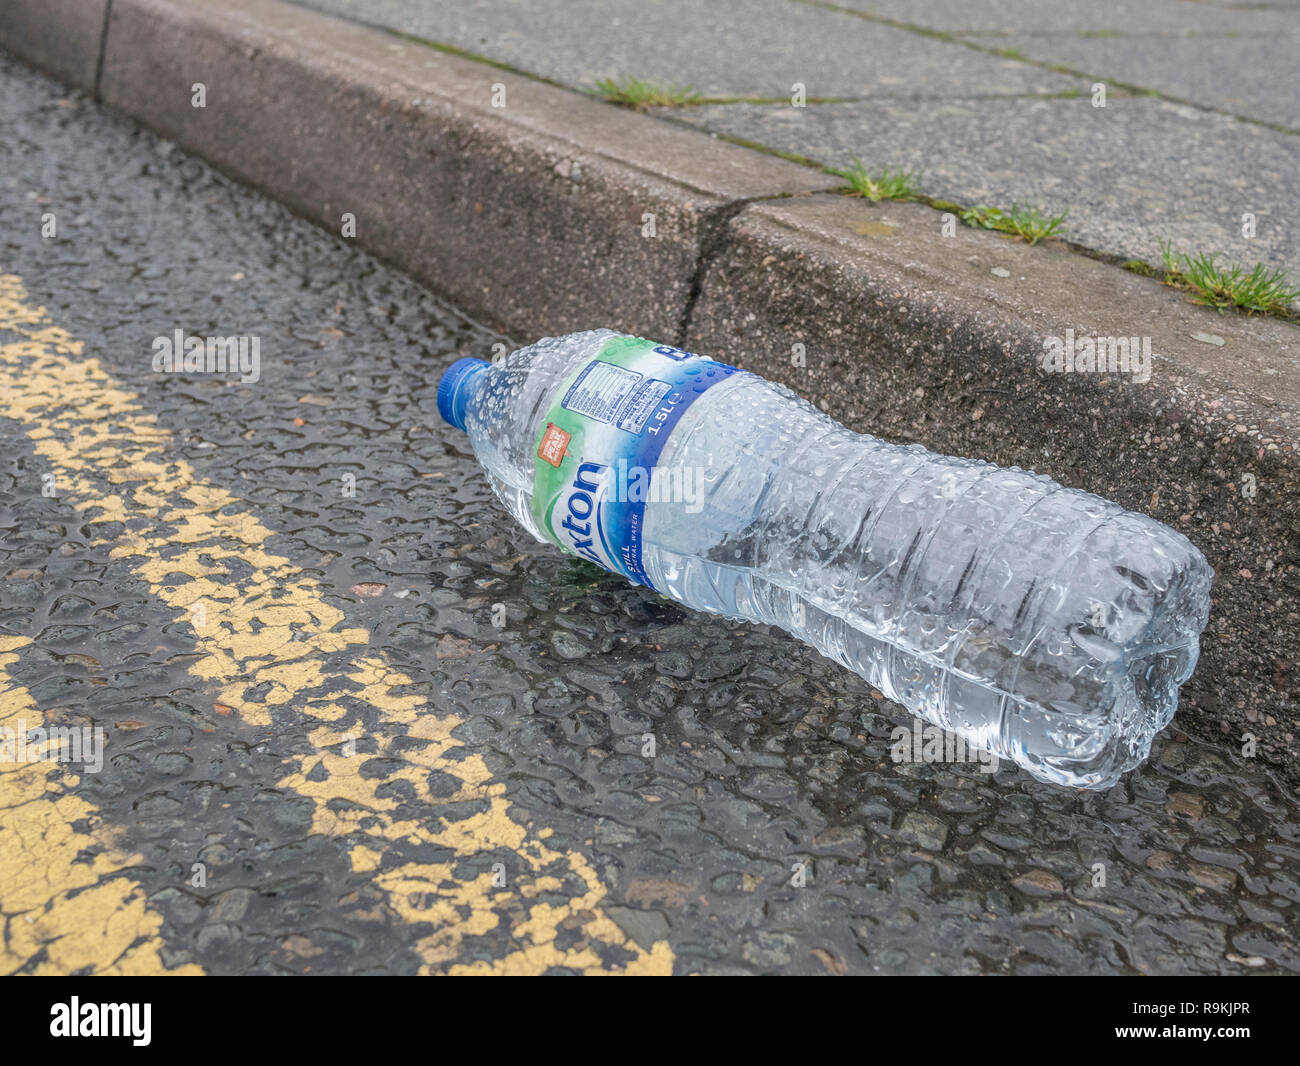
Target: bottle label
(598,447)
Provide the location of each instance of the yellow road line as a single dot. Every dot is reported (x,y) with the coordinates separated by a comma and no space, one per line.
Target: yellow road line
(52,899)
(274,628)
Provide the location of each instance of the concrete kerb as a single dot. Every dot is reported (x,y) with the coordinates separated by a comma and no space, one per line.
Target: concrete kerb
(556,212)
(62,37)
(590,218)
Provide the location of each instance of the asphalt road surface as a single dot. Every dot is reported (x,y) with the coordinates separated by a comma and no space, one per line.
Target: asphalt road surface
(355,721)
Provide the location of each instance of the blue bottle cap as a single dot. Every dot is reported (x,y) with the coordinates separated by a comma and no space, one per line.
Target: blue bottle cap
(451,397)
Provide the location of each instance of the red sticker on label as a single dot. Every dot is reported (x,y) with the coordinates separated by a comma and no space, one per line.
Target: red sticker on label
(554,442)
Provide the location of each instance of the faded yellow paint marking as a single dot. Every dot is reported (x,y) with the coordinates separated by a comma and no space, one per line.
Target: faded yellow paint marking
(274,627)
(53,899)
(88,428)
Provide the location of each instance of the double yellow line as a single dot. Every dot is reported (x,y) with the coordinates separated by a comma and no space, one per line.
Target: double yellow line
(269,629)
(63,913)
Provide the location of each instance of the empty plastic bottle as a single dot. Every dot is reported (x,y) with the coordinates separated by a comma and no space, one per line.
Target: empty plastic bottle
(1046,625)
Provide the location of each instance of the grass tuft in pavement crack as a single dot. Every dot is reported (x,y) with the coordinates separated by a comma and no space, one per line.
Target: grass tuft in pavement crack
(879,185)
(1258,290)
(1021,221)
(643,95)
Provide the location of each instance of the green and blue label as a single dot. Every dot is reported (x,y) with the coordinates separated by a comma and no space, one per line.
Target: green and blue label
(599,444)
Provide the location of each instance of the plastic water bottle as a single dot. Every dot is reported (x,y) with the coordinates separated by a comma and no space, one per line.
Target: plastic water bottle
(1040,623)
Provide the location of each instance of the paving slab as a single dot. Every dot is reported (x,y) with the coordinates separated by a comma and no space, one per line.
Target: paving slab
(744,48)
(1164,17)
(1238,58)
(1257,76)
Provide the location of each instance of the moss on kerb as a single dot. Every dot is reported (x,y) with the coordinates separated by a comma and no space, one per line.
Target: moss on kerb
(882,184)
(640,95)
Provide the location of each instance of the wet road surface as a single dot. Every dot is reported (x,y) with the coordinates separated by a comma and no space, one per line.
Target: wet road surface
(355,721)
